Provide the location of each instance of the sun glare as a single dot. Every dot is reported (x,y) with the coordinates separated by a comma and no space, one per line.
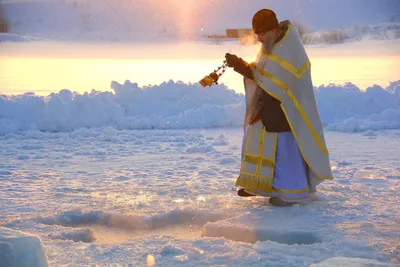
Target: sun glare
(186,13)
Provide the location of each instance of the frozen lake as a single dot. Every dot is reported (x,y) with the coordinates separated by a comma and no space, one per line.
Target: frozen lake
(127,196)
(44,67)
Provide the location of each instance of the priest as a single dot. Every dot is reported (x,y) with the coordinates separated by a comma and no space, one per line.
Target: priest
(284,154)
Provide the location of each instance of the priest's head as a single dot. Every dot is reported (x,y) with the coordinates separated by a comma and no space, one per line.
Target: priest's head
(266,27)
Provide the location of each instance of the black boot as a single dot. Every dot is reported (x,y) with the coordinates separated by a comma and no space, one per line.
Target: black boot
(243,193)
(276,201)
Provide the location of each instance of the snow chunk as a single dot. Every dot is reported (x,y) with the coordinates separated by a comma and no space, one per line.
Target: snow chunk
(79,235)
(75,218)
(352,262)
(23,157)
(344,163)
(221,141)
(171,250)
(252,235)
(228,160)
(200,149)
(370,133)
(5,172)
(21,249)
(121,178)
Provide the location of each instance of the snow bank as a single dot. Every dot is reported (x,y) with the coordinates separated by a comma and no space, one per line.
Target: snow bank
(379,31)
(176,105)
(346,108)
(20,249)
(171,105)
(394,87)
(352,262)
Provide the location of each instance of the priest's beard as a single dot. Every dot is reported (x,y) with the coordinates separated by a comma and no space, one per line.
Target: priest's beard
(268,46)
(265,48)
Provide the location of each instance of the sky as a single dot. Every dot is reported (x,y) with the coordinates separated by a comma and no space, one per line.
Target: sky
(214,16)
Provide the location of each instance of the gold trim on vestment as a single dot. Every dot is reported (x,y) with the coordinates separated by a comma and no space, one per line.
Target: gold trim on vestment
(259,180)
(282,85)
(254,159)
(260,150)
(297,105)
(298,73)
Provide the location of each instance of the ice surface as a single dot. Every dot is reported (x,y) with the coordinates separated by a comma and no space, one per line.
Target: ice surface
(352,262)
(252,235)
(21,249)
(98,196)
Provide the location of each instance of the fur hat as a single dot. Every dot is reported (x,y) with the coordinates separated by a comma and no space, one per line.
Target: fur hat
(264,20)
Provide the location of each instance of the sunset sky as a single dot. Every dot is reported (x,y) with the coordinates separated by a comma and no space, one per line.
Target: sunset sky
(214,16)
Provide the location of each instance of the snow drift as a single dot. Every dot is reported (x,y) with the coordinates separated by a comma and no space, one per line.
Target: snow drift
(177,105)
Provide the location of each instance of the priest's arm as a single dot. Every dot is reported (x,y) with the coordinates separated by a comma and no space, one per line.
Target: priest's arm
(239,65)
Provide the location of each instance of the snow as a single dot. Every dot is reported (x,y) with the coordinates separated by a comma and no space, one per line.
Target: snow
(352,262)
(178,105)
(251,235)
(380,31)
(21,249)
(347,108)
(394,87)
(80,235)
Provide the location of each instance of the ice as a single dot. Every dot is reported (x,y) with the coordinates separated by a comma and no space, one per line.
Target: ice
(80,235)
(171,250)
(252,235)
(128,202)
(352,262)
(21,249)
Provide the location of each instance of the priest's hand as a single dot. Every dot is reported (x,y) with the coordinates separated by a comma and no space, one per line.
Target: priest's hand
(231,60)
(239,65)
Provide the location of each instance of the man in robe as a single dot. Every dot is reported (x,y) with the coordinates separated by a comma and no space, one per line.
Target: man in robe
(284,154)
